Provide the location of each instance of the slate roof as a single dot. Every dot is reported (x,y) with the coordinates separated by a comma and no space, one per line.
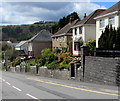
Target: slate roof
(90,18)
(66,30)
(114,8)
(42,36)
(21,43)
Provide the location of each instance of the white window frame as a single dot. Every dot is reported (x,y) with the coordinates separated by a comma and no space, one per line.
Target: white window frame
(112,20)
(102,23)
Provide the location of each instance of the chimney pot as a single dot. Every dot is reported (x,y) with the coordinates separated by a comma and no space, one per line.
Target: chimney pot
(85,15)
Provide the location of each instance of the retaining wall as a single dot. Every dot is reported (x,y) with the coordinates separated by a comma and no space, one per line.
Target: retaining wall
(97,70)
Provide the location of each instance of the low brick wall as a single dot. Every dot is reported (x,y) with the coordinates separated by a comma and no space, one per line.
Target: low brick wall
(58,74)
(102,70)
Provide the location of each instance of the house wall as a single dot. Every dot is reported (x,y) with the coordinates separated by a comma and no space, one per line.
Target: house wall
(37,47)
(69,42)
(88,33)
(99,30)
(58,43)
(75,37)
(24,47)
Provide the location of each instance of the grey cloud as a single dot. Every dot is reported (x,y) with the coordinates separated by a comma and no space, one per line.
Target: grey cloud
(29,12)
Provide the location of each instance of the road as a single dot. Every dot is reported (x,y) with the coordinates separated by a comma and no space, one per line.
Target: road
(26,86)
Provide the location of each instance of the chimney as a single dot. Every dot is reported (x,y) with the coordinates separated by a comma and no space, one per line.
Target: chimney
(85,15)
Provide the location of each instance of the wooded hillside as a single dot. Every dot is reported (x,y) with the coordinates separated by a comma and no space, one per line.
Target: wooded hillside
(23,32)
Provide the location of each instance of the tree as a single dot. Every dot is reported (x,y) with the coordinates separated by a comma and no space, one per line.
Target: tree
(117,42)
(109,37)
(63,21)
(91,44)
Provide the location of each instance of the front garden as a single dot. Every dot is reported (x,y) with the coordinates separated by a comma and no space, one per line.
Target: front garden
(46,58)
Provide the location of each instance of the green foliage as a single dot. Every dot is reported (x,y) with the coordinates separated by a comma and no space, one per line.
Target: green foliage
(31,63)
(117,42)
(23,32)
(17,61)
(91,44)
(46,57)
(64,66)
(110,37)
(65,63)
(63,21)
(53,65)
(5,47)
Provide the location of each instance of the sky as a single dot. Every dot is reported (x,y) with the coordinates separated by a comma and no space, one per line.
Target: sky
(17,13)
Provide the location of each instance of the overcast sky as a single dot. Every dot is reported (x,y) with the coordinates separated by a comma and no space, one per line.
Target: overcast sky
(30,12)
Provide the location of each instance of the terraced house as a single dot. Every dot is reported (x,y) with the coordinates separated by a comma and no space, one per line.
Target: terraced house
(84,30)
(109,17)
(62,39)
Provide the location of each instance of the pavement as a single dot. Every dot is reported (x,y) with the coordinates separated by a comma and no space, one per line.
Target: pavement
(25,86)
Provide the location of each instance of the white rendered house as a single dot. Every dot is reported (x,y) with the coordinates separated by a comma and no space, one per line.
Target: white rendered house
(109,17)
(84,31)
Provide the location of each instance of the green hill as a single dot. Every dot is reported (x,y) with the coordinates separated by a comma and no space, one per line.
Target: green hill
(23,32)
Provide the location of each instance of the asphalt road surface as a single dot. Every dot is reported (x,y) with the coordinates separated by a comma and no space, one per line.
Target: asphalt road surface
(26,86)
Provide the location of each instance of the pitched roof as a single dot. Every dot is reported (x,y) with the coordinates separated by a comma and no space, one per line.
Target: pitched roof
(42,36)
(21,43)
(114,8)
(66,30)
(90,18)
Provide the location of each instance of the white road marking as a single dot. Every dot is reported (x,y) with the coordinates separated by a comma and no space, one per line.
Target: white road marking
(3,79)
(8,83)
(31,96)
(17,88)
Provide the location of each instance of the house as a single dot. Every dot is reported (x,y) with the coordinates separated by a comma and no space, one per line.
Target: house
(39,42)
(62,39)
(22,46)
(84,31)
(109,17)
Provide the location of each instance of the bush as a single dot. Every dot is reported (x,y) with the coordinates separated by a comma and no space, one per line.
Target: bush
(61,56)
(53,65)
(65,63)
(91,44)
(46,57)
(17,61)
(64,66)
(31,63)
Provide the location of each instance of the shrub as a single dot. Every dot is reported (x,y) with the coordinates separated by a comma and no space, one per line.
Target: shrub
(15,62)
(65,63)
(61,56)
(31,63)
(53,65)
(91,44)
(64,66)
(46,57)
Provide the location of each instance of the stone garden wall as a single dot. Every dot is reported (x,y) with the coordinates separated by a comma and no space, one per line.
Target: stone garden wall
(102,70)
(97,70)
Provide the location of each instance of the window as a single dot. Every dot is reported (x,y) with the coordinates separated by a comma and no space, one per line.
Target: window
(75,31)
(112,20)
(76,46)
(80,30)
(102,23)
